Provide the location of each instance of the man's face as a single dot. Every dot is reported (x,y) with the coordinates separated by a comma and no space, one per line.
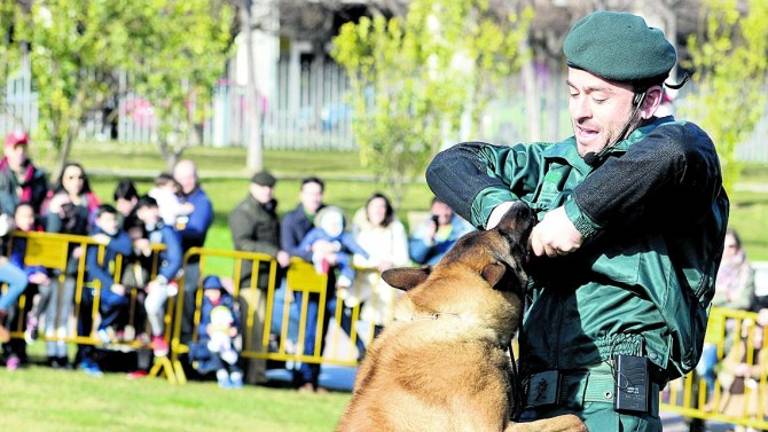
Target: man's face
(262,194)
(599,109)
(186,174)
(443,212)
(311,196)
(107,222)
(16,156)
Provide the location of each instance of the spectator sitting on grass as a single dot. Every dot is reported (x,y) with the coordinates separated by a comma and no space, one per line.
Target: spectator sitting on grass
(163,285)
(113,297)
(215,349)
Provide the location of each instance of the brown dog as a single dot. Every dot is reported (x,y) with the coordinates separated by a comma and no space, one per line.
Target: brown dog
(442,364)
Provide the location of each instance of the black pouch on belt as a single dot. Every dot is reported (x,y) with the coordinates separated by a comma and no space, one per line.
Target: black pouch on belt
(632,384)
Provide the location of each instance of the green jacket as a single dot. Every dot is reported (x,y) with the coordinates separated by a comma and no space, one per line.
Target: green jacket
(255,228)
(653,216)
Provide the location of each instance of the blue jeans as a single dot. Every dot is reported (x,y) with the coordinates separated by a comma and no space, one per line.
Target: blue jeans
(309,372)
(706,366)
(112,306)
(17,283)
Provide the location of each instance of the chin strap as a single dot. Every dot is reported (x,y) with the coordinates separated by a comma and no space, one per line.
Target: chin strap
(592,158)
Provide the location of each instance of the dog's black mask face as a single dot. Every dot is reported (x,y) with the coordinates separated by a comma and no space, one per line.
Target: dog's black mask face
(515,228)
(505,248)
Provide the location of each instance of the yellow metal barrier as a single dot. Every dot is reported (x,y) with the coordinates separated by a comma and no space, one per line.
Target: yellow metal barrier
(300,277)
(739,392)
(53,251)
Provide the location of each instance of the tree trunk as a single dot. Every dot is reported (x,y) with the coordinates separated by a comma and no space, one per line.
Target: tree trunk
(170,155)
(254,155)
(532,104)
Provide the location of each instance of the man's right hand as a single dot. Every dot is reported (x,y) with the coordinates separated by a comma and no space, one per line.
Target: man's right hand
(323,247)
(283,258)
(39,278)
(118,289)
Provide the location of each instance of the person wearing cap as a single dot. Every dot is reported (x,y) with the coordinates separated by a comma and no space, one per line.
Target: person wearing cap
(632,219)
(20,179)
(255,228)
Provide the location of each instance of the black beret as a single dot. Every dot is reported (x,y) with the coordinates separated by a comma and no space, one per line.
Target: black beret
(618,46)
(264,178)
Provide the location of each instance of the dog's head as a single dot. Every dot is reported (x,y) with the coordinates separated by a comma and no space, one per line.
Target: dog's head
(482,274)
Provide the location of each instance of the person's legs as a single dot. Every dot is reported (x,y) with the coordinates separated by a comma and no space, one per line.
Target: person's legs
(155,307)
(706,366)
(308,373)
(346,322)
(16,280)
(254,308)
(191,280)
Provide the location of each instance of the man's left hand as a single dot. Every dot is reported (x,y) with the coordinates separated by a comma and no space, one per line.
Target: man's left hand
(555,235)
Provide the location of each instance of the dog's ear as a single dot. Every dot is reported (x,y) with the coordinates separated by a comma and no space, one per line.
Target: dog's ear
(405,278)
(493,273)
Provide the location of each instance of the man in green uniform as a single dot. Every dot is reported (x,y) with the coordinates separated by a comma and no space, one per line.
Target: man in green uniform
(632,219)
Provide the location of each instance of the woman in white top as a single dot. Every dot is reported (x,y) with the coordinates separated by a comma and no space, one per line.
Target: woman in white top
(377,230)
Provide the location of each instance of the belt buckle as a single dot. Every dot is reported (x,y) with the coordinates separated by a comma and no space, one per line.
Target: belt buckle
(543,388)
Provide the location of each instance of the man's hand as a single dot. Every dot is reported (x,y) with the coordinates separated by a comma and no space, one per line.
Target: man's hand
(118,289)
(143,246)
(323,247)
(283,259)
(555,235)
(39,278)
(101,238)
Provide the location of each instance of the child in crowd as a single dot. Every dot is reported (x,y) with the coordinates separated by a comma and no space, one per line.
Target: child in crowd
(16,281)
(331,245)
(166,193)
(113,297)
(24,220)
(163,285)
(215,349)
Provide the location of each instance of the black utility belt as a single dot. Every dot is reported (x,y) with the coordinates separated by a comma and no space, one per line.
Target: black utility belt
(624,382)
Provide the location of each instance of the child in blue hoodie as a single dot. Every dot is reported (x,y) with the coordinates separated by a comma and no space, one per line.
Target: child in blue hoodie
(114,299)
(215,349)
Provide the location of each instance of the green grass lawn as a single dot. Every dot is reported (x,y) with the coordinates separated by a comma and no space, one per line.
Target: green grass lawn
(43,399)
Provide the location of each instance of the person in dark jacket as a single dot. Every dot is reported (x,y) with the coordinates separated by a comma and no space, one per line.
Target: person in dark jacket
(215,349)
(113,297)
(20,180)
(255,228)
(192,230)
(293,228)
(632,220)
(163,285)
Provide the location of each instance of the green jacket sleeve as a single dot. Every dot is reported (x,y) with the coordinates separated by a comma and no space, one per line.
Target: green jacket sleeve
(474,177)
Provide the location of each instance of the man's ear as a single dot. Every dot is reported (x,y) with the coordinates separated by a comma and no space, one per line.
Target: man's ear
(652,101)
(493,273)
(405,278)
